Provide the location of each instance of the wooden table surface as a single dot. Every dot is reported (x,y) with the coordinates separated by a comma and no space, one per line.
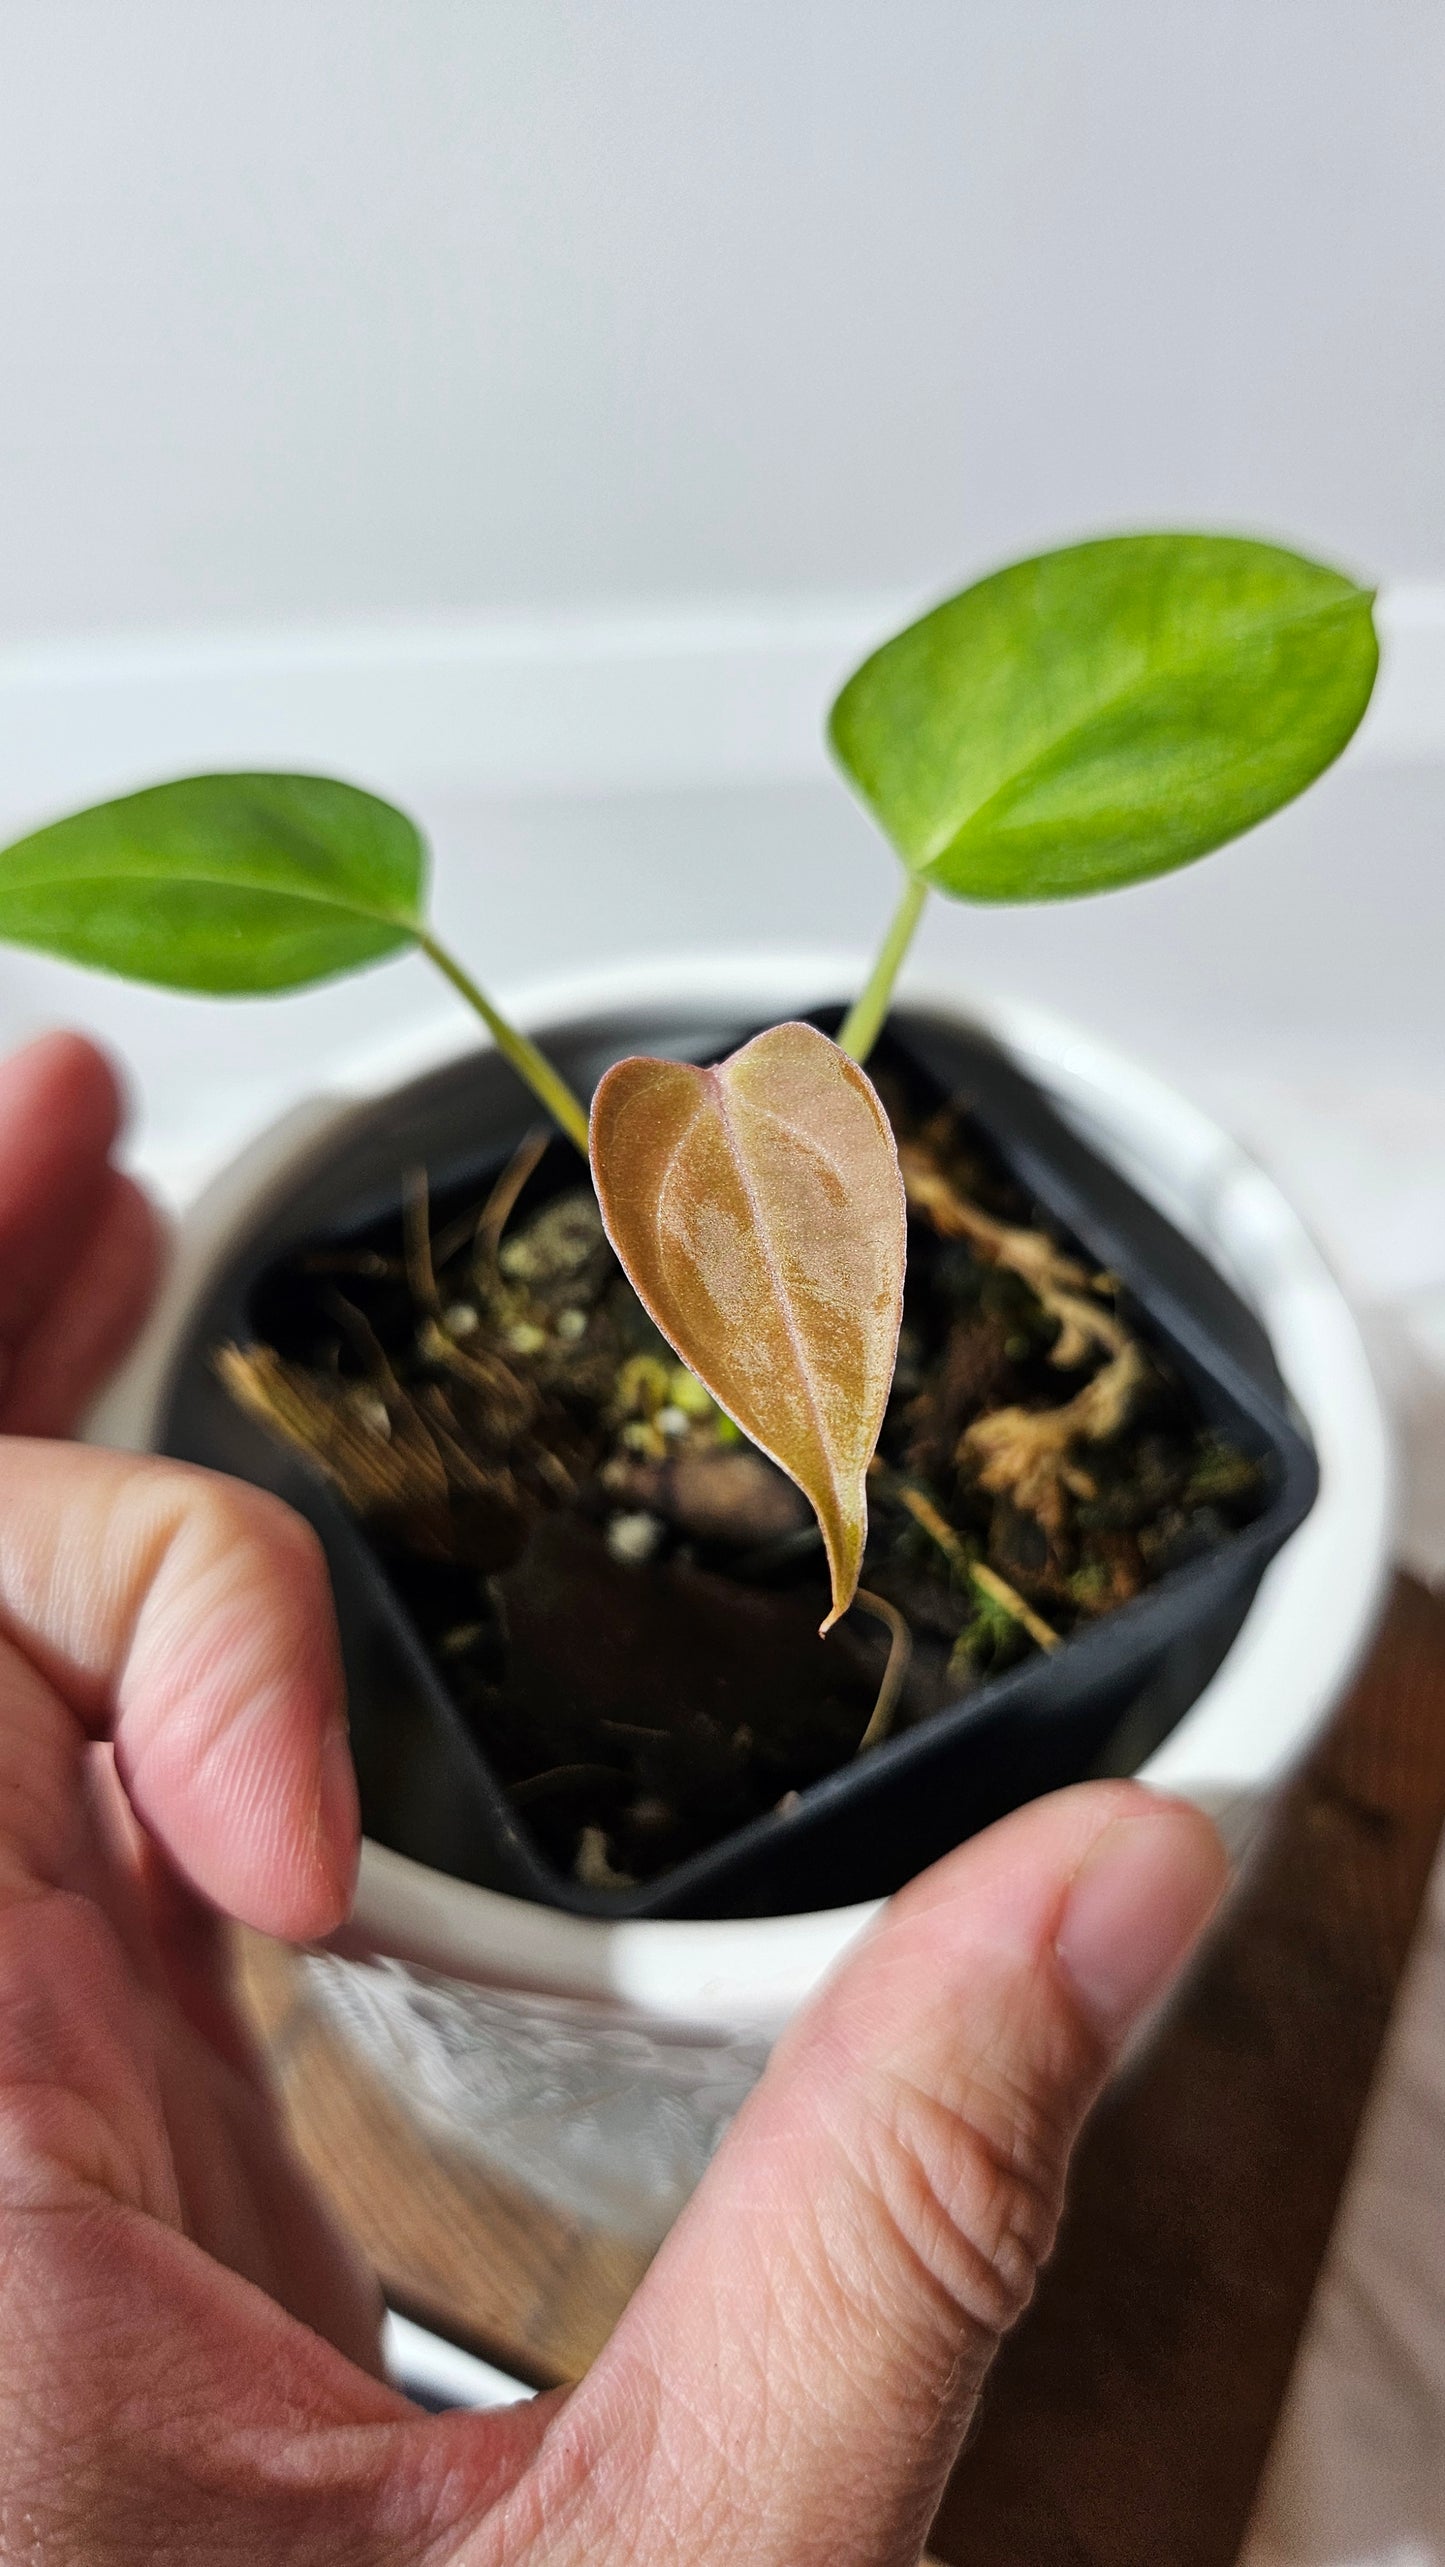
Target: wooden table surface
(1129,2417)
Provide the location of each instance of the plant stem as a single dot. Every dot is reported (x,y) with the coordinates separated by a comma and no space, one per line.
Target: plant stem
(900,1655)
(987,1580)
(529,1064)
(864,1021)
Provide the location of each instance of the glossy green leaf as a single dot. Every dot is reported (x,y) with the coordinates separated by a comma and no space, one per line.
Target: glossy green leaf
(758,1210)
(1097,715)
(221,883)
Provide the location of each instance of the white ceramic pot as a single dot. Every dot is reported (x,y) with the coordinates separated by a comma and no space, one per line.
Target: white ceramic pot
(598,2062)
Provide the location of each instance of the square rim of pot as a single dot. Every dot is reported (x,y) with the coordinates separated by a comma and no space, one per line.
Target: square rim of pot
(920,1744)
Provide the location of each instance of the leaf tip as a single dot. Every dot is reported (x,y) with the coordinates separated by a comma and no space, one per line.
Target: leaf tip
(845,1541)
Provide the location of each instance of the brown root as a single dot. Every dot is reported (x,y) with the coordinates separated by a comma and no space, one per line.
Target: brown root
(1027,1454)
(594,1869)
(987,1580)
(999,1592)
(1029,1254)
(501,1203)
(380,1462)
(398,1460)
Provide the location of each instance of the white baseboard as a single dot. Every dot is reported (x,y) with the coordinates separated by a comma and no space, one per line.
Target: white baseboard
(631,699)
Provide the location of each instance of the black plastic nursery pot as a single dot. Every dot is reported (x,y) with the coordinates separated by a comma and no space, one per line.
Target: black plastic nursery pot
(1102,1701)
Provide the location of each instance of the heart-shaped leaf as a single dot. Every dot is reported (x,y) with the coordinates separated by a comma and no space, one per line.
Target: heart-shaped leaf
(223,883)
(758,1210)
(1104,713)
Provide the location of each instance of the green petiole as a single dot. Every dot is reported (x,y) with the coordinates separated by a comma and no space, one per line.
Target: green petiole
(551,1091)
(863,1023)
(856,1037)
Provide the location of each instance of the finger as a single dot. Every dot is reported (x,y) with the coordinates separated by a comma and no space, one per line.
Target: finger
(90,1317)
(155,2406)
(188,1618)
(249,2200)
(792,2382)
(177,1945)
(78,1248)
(60,1110)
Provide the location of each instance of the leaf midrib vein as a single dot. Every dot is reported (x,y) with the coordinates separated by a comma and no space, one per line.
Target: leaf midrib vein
(725,1114)
(227,880)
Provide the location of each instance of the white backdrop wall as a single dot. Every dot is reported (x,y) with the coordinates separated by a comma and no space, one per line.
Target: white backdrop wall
(590,378)
(317,307)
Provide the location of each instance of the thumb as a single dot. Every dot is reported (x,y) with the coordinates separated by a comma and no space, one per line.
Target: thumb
(792,2383)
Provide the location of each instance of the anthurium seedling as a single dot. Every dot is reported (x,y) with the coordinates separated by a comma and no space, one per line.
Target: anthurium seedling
(1072,724)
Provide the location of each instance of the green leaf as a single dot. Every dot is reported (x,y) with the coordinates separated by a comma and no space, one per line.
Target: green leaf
(1104,713)
(222,883)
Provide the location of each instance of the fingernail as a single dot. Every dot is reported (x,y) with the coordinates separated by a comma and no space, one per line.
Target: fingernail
(339,1806)
(1136,1907)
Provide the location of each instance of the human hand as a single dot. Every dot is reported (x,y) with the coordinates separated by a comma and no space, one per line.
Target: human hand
(186,2343)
